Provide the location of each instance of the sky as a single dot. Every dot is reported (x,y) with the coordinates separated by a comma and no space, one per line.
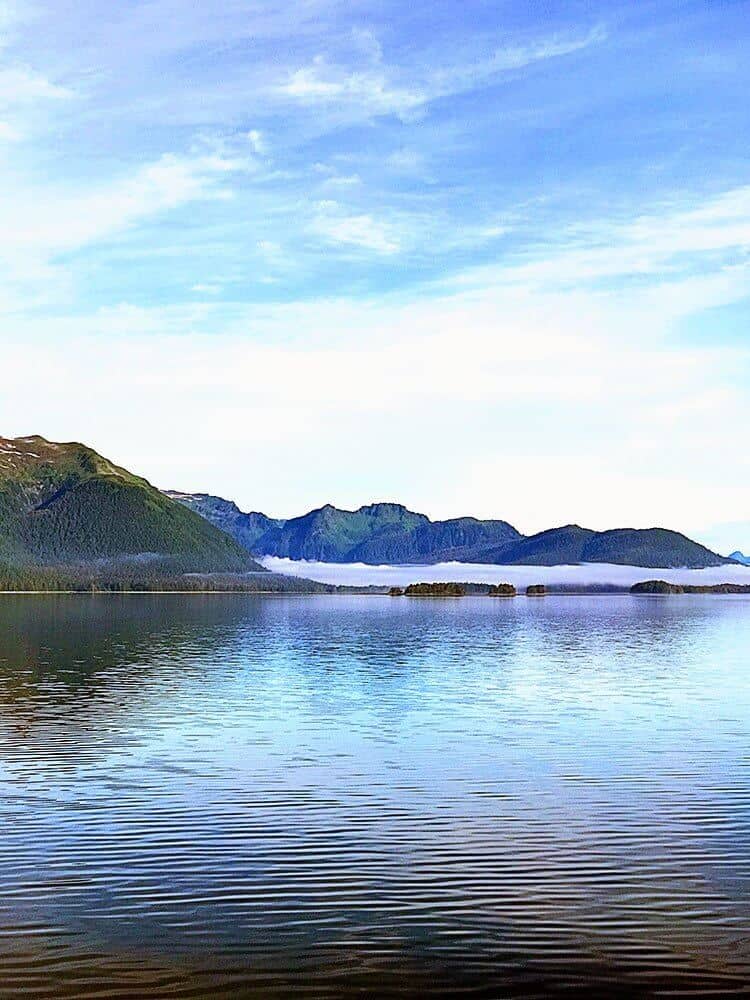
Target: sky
(485,258)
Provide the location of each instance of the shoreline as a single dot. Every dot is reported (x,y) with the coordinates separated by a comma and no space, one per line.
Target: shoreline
(539,598)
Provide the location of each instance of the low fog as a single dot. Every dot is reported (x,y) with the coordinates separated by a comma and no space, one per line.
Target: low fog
(586,574)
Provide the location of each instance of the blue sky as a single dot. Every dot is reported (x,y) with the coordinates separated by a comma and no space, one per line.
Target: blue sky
(485,257)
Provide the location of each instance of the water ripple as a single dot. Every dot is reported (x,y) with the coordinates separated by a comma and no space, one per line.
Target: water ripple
(232,796)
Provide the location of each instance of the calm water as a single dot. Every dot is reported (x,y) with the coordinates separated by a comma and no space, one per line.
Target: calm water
(238,796)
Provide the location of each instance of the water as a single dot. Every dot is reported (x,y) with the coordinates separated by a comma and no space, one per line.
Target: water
(236,796)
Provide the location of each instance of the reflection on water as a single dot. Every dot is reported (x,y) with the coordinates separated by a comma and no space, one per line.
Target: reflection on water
(228,795)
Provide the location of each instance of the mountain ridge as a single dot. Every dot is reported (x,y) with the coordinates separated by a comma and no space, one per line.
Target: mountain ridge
(373,533)
(659,548)
(388,532)
(63,504)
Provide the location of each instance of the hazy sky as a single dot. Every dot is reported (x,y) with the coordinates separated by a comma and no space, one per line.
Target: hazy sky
(479,257)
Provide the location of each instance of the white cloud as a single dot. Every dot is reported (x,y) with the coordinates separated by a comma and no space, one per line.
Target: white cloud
(371,89)
(407,161)
(551,407)
(257,142)
(343,181)
(21,89)
(20,85)
(362,230)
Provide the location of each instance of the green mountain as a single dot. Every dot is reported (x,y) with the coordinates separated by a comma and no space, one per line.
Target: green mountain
(554,547)
(377,533)
(654,547)
(247,529)
(662,547)
(65,505)
(389,533)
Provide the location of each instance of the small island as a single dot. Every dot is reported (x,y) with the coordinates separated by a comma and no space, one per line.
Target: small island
(663,587)
(536,590)
(435,590)
(454,590)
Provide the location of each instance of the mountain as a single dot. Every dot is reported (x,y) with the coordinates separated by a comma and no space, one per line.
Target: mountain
(740,558)
(65,505)
(389,533)
(377,533)
(654,547)
(554,547)
(244,528)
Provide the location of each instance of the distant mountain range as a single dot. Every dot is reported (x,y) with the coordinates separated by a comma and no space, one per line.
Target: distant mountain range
(71,519)
(378,533)
(740,558)
(389,533)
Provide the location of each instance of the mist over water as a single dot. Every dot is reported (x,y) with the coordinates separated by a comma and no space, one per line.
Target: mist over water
(581,575)
(327,796)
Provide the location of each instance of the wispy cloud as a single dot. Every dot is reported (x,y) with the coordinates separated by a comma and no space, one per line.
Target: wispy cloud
(518,56)
(335,226)
(20,85)
(372,90)
(21,89)
(702,239)
(36,227)
(72,219)
(379,88)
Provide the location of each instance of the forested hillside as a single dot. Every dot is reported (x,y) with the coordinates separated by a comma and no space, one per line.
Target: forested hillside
(65,506)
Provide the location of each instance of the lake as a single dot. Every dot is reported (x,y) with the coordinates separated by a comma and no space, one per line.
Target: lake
(228,795)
